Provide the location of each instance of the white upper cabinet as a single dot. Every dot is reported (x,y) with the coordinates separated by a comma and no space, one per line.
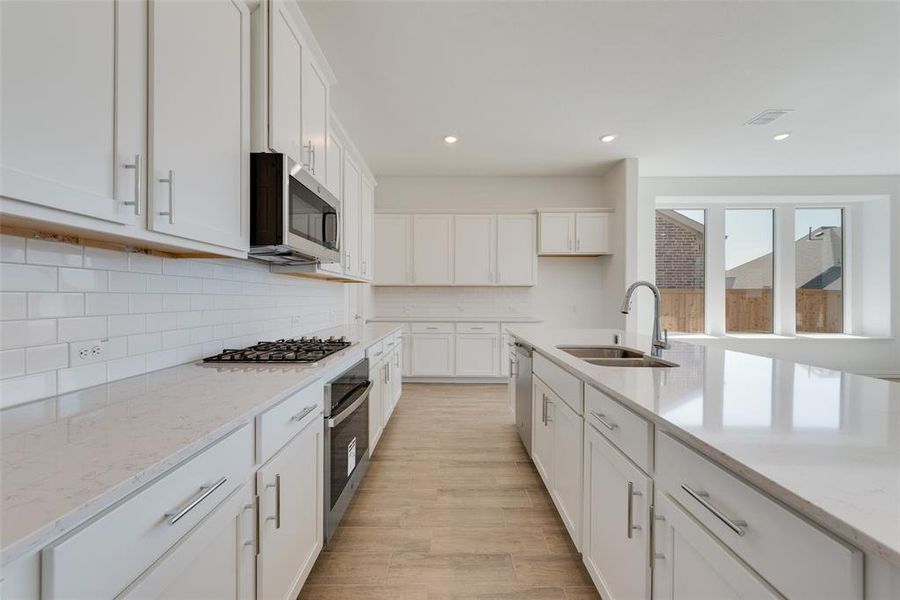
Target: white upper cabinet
(74,121)
(393,240)
(474,252)
(577,232)
(516,256)
(198,167)
(592,233)
(366,227)
(334,152)
(557,233)
(285,89)
(433,249)
(315,118)
(350,215)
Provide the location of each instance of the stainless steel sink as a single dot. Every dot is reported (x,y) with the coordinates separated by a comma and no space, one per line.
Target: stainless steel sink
(615,356)
(604,352)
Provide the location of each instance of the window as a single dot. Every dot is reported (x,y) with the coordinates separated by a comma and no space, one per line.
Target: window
(681,268)
(749,270)
(819,248)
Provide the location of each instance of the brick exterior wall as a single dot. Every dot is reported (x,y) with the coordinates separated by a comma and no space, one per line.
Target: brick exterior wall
(680,255)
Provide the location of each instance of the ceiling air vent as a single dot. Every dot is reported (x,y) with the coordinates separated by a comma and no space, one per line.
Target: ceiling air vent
(767,116)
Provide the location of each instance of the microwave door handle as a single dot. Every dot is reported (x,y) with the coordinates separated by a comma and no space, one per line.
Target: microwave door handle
(337,419)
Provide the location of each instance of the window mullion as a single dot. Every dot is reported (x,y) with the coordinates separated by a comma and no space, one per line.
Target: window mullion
(715,271)
(784,293)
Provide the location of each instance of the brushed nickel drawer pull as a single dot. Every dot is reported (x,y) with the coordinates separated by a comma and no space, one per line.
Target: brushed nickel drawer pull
(736,525)
(299,416)
(631,494)
(171,212)
(138,176)
(277,486)
(205,491)
(602,418)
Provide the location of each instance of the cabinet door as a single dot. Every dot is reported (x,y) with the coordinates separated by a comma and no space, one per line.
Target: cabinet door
(366,225)
(334,175)
(591,233)
(690,564)
(199,172)
(376,398)
(216,560)
(476,355)
(387,401)
(432,354)
(616,542)
(285,68)
(351,206)
(291,514)
(516,250)
(407,354)
(392,249)
(542,433)
(474,250)
(568,449)
(399,369)
(432,249)
(557,234)
(74,106)
(315,117)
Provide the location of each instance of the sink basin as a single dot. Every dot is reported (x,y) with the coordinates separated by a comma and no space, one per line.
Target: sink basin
(601,352)
(615,356)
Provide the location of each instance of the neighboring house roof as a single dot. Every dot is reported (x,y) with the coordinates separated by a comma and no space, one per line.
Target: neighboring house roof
(822,247)
(679,219)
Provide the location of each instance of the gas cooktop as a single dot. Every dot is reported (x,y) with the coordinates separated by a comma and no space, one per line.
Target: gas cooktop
(303,350)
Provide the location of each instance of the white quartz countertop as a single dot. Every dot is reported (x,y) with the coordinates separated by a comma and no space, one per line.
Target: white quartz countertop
(824,442)
(455,319)
(69,457)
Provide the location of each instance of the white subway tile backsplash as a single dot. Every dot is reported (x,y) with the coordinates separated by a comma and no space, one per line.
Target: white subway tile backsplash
(47,358)
(27,278)
(83,280)
(75,378)
(82,328)
(43,305)
(12,249)
(13,305)
(143,311)
(127,324)
(21,334)
(12,363)
(46,252)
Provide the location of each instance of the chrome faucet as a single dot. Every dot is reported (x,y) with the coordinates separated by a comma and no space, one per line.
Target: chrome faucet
(660,342)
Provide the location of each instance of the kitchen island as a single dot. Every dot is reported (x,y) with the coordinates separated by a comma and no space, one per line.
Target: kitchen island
(821,446)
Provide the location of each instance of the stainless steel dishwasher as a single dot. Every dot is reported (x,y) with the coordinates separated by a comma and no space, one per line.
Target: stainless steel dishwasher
(520,379)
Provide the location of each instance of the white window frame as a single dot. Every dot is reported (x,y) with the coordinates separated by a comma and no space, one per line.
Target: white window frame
(784,278)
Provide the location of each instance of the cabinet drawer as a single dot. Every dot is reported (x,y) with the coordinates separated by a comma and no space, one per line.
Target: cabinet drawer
(478,328)
(630,433)
(567,386)
(375,352)
(279,424)
(432,327)
(800,560)
(101,558)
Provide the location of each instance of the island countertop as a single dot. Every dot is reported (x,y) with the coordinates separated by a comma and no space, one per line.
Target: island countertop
(68,457)
(825,443)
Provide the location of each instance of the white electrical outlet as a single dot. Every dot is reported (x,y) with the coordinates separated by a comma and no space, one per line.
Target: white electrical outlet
(87,352)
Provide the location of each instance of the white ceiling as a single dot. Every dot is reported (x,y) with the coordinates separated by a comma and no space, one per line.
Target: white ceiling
(530,86)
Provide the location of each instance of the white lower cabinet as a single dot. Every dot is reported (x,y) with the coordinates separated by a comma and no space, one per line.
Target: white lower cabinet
(290,490)
(542,433)
(432,354)
(616,544)
(216,560)
(691,564)
(385,374)
(476,355)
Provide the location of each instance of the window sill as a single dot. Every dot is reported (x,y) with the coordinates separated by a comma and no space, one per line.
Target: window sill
(774,336)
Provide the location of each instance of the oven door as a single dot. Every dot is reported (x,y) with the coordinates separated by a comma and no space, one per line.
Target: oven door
(312,215)
(348,438)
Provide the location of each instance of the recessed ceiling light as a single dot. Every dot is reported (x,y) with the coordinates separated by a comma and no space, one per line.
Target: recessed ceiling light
(451,139)
(607,138)
(781,136)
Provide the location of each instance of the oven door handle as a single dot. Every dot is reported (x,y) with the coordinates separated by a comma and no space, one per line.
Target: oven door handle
(337,419)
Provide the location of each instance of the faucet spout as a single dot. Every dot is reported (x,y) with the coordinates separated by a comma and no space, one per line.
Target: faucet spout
(660,342)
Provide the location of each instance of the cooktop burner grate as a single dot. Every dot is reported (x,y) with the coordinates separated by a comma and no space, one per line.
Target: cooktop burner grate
(303,350)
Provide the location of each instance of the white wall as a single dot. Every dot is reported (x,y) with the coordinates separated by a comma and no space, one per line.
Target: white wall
(145,312)
(571,292)
(875,356)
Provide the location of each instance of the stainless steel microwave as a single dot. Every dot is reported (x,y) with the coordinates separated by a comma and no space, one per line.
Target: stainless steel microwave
(293,218)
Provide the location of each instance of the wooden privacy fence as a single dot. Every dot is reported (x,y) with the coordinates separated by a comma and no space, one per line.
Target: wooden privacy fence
(818,311)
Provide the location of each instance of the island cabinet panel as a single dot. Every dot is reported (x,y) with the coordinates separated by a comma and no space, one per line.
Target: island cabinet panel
(797,558)
(542,432)
(291,514)
(617,497)
(627,431)
(568,434)
(689,563)
(216,560)
(567,386)
(90,563)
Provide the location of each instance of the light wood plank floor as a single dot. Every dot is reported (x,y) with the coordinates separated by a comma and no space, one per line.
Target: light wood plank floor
(451,508)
